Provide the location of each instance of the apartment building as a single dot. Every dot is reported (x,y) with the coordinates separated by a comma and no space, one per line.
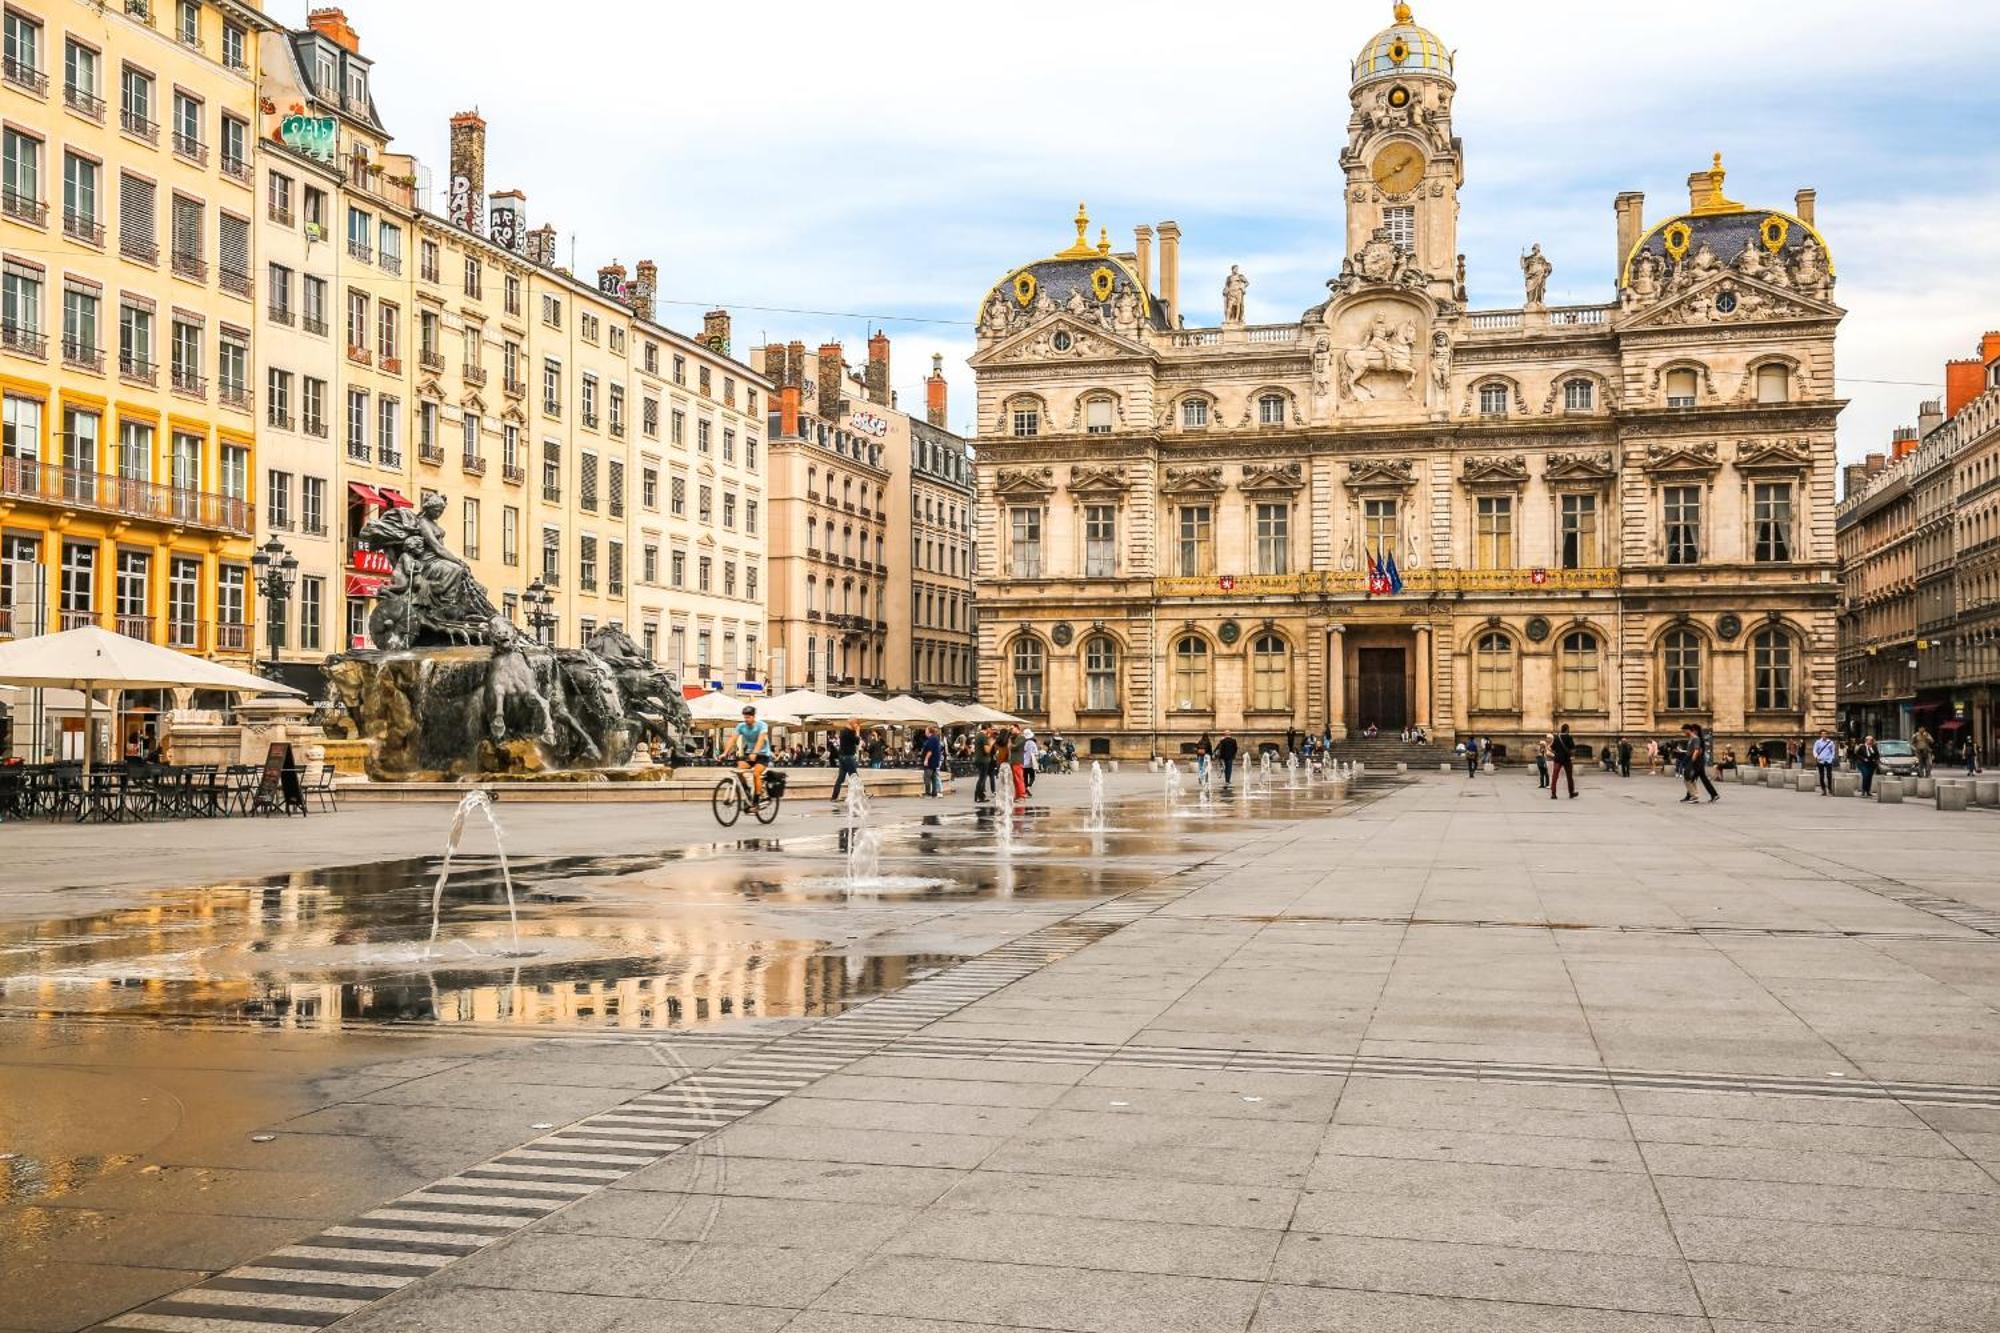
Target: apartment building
(128,460)
(942,636)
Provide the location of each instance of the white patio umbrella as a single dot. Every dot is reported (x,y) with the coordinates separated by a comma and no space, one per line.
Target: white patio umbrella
(92,659)
(909,708)
(716,707)
(794,705)
(981,713)
(866,707)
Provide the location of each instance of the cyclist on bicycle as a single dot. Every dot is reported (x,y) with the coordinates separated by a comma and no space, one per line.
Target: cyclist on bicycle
(752,747)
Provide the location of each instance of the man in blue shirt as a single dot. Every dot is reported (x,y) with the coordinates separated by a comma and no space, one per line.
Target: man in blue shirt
(932,750)
(1823,752)
(752,746)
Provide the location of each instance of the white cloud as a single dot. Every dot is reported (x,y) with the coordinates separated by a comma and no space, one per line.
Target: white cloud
(895,158)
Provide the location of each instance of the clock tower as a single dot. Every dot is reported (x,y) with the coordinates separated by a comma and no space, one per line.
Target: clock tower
(1403,165)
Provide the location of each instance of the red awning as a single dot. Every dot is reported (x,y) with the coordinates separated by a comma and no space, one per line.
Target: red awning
(364,585)
(396,497)
(1953,725)
(368,495)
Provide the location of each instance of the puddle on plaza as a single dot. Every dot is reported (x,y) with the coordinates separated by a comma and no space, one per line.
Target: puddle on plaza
(691,937)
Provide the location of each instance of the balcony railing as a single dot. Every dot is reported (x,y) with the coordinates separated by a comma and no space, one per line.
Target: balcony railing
(135,123)
(431,453)
(475,374)
(280,214)
(25,76)
(84,356)
(236,168)
(86,229)
(136,371)
(359,451)
(391,263)
(135,627)
(189,382)
(80,488)
(232,637)
(430,358)
(184,634)
(235,395)
(551,494)
(281,314)
(473,464)
(71,619)
(28,342)
(278,420)
(23,209)
(190,266)
(552,407)
(84,104)
(313,324)
(234,282)
(360,250)
(514,388)
(314,426)
(360,356)
(139,248)
(513,474)
(191,148)
(392,457)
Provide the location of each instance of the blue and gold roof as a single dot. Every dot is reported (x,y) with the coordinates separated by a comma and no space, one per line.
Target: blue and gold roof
(1402,48)
(1727,229)
(1084,276)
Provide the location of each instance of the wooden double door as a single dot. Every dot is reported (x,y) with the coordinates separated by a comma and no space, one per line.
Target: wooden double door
(1381,689)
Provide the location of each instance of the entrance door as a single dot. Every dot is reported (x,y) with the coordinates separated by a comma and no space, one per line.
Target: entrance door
(1381,693)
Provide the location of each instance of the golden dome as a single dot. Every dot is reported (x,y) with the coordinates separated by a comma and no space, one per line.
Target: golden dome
(1402,48)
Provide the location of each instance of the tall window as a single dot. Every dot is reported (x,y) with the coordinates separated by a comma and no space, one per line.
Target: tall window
(1774,384)
(312,612)
(1579,531)
(1771,659)
(1271,410)
(1274,538)
(1270,674)
(1681,666)
(1097,416)
(1024,546)
(1682,512)
(1194,414)
(1492,400)
(1493,673)
(1400,221)
(1028,663)
(1681,388)
(1378,526)
(1771,520)
(470,538)
(1190,678)
(1579,396)
(22,157)
(1100,674)
(1196,540)
(1100,541)
(80,196)
(1581,691)
(1493,532)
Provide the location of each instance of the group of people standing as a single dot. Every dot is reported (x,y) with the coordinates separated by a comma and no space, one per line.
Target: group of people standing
(1005,759)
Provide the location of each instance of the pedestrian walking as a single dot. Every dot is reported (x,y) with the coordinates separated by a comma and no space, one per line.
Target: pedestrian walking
(1867,759)
(1624,758)
(1204,750)
(932,750)
(1924,747)
(983,763)
(848,744)
(1471,757)
(1541,763)
(1824,753)
(1562,754)
(1031,758)
(1225,754)
(1971,757)
(1694,765)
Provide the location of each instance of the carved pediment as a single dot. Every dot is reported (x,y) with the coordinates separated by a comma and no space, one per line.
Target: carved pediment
(1787,454)
(1065,337)
(1682,456)
(1089,479)
(1273,477)
(430,389)
(1729,298)
(1025,481)
(1494,470)
(513,416)
(1381,472)
(1193,481)
(1588,466)
(472,402)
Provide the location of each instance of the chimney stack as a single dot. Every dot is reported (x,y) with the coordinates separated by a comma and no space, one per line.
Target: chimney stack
(1630,206)
(832,382)
(1170,270)
(1965,378)
(1142,250)
(507,215)
(715,331)
(1802,205)
(878,368)
(331,23)
(936,393)
(611,281)
(645,289)
(542,246)
(1930,415)
(468,170)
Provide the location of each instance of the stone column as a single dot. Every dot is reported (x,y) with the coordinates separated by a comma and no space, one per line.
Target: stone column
(1424,677)
(1336,681)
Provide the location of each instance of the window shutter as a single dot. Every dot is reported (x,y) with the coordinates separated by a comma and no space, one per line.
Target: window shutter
(135,211)
(187,228)
(235,237)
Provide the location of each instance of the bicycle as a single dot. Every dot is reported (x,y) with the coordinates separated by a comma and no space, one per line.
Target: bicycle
(736,793)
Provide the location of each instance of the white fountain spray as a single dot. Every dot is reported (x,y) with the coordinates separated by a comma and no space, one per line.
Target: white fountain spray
(1291,770)
(1174,783)
(1096,820)
(864,844)
(1004,831)
(482,801)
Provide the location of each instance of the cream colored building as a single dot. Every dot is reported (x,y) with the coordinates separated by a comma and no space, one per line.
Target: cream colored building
(1615,515)
(940,569)
(128,467)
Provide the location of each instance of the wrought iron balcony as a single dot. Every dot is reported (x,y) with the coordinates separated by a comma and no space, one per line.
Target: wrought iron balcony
(474,374)
(474,464)
(136,123)
(25,77)
(28,342)
(360,250)
(514,388)
(233,282)
(83,356)
(191,148)
(190,266)
(236,168)
(235,395)
(86,229)
(139,248)
(84,104)
(21,208)
(430,358)
(313,324)
(431,453)
(135,370)
(81,488)
(189,382)
(281,314)
(513,474)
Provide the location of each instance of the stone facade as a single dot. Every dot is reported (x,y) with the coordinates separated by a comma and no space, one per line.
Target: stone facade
(941,493)
(1617,516)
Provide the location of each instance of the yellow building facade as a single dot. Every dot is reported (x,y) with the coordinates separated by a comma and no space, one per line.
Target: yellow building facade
(128,469)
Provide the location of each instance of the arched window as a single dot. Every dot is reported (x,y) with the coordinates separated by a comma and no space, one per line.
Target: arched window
(1771,660)
(812,535)
(1681,669)
(1097,416)
(1682,386)
(1027,675)
(1270,674)
(1493,673)
(1191,674)
(1100,674)
(1774,384)
(812,594)
(1579,395)
(1582,690)
(1271,410)
(1194,414)
(1492,400)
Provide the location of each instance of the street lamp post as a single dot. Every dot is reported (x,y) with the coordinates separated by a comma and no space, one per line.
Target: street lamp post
(276,569)
(538,604)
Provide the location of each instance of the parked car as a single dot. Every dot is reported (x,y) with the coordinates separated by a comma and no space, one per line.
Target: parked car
(1898,759)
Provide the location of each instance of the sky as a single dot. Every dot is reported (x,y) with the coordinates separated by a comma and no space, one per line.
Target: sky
(826,170)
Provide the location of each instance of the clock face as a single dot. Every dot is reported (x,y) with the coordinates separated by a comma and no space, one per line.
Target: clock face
(1398,168)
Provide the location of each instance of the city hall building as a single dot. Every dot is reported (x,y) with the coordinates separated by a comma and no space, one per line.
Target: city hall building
(1618,516)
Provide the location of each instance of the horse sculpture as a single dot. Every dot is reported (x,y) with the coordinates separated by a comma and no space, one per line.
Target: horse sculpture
(1387,351)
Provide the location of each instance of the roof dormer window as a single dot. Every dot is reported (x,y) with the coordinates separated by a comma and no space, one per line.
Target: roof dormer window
(357,88)
(327,72)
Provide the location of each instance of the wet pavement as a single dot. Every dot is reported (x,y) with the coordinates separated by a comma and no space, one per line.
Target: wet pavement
(1409,1053)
